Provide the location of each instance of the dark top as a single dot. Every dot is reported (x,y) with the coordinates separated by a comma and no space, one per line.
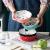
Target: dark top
(31,5)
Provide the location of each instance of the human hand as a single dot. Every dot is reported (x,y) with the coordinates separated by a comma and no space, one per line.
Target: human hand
(40,20)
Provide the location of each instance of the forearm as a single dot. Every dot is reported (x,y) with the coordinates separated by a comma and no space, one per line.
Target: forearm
(43,9)
(9,4)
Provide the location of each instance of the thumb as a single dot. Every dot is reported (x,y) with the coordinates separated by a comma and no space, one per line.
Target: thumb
(40,21)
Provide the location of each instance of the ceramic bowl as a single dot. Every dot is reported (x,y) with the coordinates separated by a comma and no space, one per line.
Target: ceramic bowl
(32,25)
(23,14)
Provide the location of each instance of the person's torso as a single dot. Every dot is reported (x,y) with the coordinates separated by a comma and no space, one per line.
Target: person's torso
(31,5)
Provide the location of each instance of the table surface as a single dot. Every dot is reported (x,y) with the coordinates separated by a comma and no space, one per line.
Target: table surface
(14,40)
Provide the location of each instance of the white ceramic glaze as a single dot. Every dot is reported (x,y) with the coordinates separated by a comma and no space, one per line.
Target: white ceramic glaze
(29,32)
(23,14)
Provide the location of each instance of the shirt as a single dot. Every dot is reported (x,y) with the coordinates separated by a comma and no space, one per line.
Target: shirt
(42,1)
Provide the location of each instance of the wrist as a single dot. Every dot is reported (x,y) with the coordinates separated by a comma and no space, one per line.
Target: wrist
(13,11)
(39,15)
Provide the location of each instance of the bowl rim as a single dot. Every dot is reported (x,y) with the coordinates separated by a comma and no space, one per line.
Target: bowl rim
(25,11)
(21,33)
(27,34)
(32,25)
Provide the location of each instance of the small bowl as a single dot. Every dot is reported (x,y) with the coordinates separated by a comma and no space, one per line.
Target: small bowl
(23,14)
(32,26)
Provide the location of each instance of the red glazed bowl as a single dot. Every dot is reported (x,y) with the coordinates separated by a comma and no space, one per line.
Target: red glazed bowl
(27,37)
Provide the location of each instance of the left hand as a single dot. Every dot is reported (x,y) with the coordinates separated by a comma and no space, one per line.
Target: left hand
(40,20)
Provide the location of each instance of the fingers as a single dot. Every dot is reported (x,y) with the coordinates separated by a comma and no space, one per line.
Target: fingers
(27,23)
(13,16)
(40,21)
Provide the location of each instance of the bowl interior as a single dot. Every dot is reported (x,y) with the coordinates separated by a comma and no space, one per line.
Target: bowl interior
(23,14)
(33,24)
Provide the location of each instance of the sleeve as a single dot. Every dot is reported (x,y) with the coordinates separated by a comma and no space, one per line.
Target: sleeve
(7,1)
(44,2)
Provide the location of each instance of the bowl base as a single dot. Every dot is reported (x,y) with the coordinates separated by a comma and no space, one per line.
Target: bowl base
(28,39)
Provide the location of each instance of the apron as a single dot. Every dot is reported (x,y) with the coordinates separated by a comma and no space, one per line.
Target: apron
(31,5)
